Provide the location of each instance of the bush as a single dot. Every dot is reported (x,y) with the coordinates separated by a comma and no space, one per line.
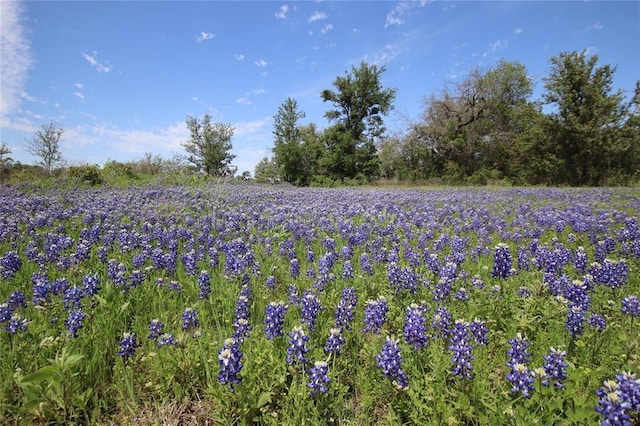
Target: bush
(90,174)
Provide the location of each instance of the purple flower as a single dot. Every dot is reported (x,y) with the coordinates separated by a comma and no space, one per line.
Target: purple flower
(91,284)
(346,309)
(229,358)
(128,346)
(167,339)
(555,368)
(375,314)
(575,321)
(631,306)
(524,292)
(501,262)
(365,264)
(441,321)
(74,321)
(274,319)
(618,398)
(415,328)
(611,273)
(270,282)
(204,285)
(334,342)
(189,319)
(241,328)
(519,351)
(310,308)
(294,266)
(297,346)
(10,263)
(479,331)
(16,324)
(6,312)
(521,379)
(389,360)
(17,300)
(347,269)
(318,379)
(597,321)
(460,345)
(155,329)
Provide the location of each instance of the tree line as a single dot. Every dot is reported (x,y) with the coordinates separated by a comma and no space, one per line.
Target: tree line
(484,128)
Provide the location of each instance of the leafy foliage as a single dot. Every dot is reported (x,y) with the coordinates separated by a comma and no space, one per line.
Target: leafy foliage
(45,145)
(209,146)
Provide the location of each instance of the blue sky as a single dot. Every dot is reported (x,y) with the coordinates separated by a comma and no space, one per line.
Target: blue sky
(121,77)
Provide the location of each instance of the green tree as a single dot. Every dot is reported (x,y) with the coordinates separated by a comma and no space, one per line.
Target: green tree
(267,171)
(359,104)
(287,148)
(209,146)
(5,161)
(588,118)
(45,145)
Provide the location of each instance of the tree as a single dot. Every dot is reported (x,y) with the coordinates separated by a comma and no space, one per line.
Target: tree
(45,145)
(588,118)
(4,161)
(287,148)
(267,171)
(359,103)
(209,146)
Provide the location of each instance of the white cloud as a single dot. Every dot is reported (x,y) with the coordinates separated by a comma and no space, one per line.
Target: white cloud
(79,85)
(239,56)
(79,95)
(403,8)
(259,91)
(261,63)
(597,26)
(102,68)
(326,28)
(15,56)
(243,101)
(282,13)
(591,50)
(386,54)
(518,30)
(204,36)
(498,45)
(135,141)
(316,16)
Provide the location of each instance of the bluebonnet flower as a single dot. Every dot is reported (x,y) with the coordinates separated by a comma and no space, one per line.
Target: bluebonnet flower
(479,331)
(156,328)
(345,309)
(128,346)
(502,262)
(575,321)
(365,264)
(555,368)
(270,282)
(375,314)
(347,269)
(294,267)
(311,272)
(167,339)
(230,360)
(16,324)
(274,319)
(174,286)
(242,307)
(460,345)
(611,273)
(519,351)
(74,322)
(292,291)
(615,403)
(577,293)
(631,306)
(241,328)
(441,322)
(6,312)
(415,329)
(521,379)
(523,255)
(389,360)
(580,260)
(10,263)
(318,379)
(433,263)
(477,282)
(310,308)
(334,342)
(189,319)
(297,346)
(73,297)
(524,292)
(461,294)
(597,321)
(17,300)
(91,284)
(204,285)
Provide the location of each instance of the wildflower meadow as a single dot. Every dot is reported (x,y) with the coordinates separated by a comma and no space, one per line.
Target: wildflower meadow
(239,304)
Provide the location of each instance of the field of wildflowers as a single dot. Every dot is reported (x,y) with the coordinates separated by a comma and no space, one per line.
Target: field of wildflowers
(238,304)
